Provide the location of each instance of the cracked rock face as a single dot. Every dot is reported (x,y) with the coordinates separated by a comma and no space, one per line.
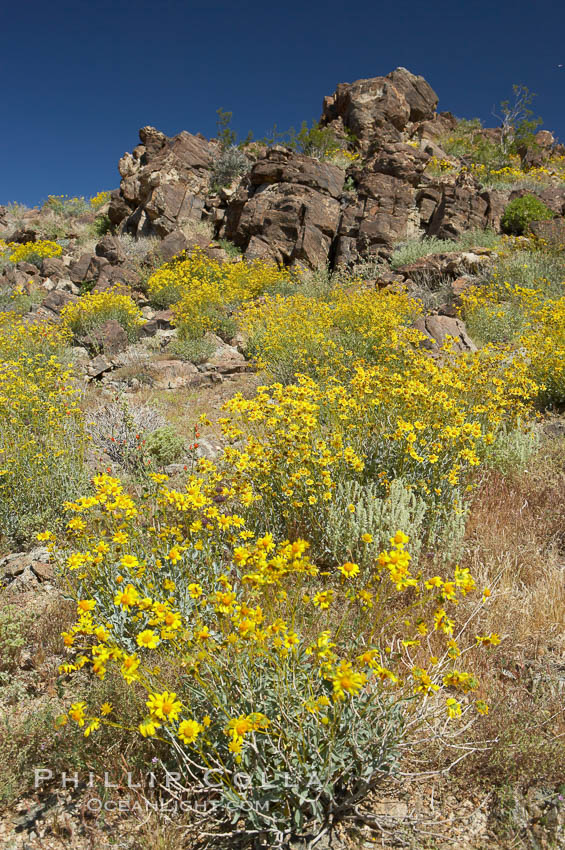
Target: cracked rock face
(379,109)
(294,209)
(164,183)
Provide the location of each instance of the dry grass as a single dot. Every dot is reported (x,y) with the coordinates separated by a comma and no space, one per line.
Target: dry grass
(515,544)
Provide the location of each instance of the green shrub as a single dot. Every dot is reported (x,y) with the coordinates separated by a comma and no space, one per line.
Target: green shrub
(231,250)
(165,446)
(231,164)
(94,309)
(413,249)
(13,624)
(102,225)
(520,212)
(41,429)
(192,349)
(65,206)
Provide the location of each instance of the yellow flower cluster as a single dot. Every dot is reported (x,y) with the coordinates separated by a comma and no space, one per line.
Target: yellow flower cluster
(220,603)
(544,343)
(203,290)
(552,172)
(99,200)
(295,334)
(429,424)
(41,434)
(31,250)
(533,324)
(95,308)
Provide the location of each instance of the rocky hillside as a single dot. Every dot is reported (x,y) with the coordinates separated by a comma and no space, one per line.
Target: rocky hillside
(282,454)
(396,183)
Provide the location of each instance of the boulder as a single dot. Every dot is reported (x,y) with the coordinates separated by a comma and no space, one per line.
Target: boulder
(57,300)
(110,249)
(284,222)
(174,374)
(22,235)
(160,321)
(119,208)
(226,359)
(21,569)
(280,165)
(173,244)
(383,213)
(460,208)
(449,264)
(438,328)
(552,231)
(436,127)
(109,338)
(28,268)
(53,267)
(97,367)
(399,160)
(78,268)
(380,108)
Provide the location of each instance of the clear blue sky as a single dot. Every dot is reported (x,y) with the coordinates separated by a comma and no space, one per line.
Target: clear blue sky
(80,78)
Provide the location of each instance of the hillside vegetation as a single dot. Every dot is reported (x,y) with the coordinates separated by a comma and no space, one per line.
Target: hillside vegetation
(282,492)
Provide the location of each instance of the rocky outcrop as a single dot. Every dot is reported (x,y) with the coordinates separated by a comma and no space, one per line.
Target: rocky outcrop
(379,109)
(164,183)
(288,210)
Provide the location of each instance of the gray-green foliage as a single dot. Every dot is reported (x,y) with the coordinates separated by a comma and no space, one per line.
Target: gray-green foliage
(412,249)
(119,428)
(501,324)
(165,446)
(12,301)
(67,207)
(192,349)
(14,622)
(295,784)
(359,509)
(543,270)
(230,164)
(513,449)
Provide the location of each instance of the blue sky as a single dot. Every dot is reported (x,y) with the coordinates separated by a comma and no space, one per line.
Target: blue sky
(80,79)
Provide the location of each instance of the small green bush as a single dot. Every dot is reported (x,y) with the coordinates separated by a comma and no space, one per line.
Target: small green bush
(192,349)
(13,624)
(413,249)
(102,225)
(231,250)
(165,446)
(65,206)
(231,164)
(520,212)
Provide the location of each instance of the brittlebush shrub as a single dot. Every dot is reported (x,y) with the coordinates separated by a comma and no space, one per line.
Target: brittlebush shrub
(41,428)
(100,199)
(205,292)
(32,252)
(427,423)
(298,334)
(527,315)
(254,663)
(94,309)
(544,343)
